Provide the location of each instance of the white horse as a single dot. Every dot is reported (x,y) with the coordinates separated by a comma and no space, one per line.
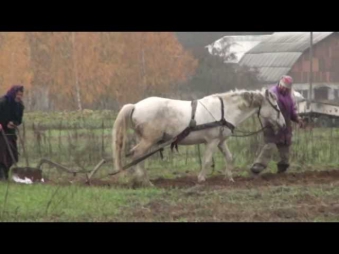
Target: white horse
(157,120)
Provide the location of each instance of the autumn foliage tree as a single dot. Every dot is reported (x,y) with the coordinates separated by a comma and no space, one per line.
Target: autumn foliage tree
(15,62)
(73,70)
(41,63)
(74,65)
(146,64)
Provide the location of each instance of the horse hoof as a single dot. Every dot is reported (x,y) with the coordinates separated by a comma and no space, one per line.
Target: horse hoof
(201,179)
(146,184)
(229,179)
(136,185)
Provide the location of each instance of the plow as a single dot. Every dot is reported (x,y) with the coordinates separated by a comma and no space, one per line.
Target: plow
(29,174)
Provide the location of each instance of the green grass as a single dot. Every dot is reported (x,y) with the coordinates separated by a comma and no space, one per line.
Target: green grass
(88,118)
(82,140)
(39,203)
(73,203)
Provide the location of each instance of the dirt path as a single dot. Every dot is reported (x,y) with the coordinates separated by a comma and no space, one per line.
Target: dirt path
(208,202)
(268,179)
(304,178)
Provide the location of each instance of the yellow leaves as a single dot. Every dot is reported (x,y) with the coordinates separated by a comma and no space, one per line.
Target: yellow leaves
(14,61)
(123,66)
(152,60)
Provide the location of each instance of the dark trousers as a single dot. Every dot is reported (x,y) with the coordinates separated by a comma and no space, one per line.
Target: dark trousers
(265,154)
(3,172)
(6,160)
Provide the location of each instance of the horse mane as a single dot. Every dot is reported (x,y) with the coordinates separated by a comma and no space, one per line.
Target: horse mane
(244,98)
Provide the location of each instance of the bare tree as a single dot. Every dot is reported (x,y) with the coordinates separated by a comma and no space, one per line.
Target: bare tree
(76,77)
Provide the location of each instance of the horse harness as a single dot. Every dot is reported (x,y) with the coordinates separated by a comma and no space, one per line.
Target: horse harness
(194,127)
(222,122)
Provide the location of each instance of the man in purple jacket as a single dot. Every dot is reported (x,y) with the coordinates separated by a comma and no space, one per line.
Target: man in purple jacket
(283,139)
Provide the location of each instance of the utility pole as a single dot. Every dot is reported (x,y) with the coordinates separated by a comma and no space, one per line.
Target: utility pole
(311,68)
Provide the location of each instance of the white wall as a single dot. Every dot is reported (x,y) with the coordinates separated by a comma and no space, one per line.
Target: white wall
(304,90)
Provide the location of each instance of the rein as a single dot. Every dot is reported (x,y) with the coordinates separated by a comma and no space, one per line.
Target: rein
(193,127)
(222,122)
(258,114)
(251,133)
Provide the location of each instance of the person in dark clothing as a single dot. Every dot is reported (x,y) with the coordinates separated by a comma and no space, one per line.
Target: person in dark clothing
(11,113)
(283,139)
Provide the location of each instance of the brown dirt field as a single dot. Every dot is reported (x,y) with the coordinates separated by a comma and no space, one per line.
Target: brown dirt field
(266,179)
(293,196)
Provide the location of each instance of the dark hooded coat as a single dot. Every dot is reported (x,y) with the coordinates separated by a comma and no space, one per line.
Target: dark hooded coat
(10,111)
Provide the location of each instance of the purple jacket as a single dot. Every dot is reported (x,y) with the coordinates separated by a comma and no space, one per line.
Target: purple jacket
(288,109)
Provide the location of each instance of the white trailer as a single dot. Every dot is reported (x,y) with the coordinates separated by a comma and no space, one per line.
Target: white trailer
(321,113)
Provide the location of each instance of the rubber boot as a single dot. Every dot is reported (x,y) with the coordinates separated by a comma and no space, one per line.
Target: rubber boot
(282,167)
(257,168)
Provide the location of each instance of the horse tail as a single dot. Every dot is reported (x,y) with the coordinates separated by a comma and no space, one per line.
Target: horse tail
(119,134)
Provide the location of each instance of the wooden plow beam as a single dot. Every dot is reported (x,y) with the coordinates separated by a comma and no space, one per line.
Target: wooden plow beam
(59,166)
(136,161)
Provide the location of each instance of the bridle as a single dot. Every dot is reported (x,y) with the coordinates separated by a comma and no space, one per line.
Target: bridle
(275,107)
(223,122)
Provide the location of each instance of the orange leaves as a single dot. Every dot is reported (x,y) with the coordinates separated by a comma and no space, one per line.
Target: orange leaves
(152,61)
(85,67)
(14,61)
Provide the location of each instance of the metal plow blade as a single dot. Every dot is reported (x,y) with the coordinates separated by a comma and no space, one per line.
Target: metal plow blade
(27,175)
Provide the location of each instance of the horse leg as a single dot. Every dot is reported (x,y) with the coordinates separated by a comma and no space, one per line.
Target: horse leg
(228,159)
(210,149)
(140,174)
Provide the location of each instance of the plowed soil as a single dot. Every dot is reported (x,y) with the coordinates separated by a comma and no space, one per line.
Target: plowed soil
(293,196)
(268,179)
